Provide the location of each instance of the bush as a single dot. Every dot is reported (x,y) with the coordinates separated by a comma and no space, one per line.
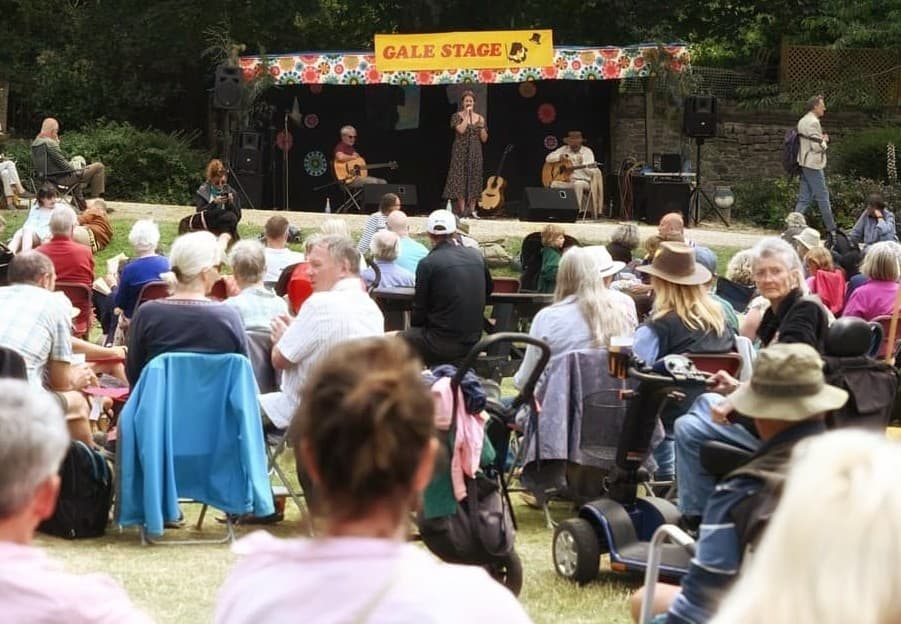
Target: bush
(863,154)
(145,166)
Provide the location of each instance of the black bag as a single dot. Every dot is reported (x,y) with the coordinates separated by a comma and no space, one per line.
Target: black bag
(481,532)
(871,386)
(6,256)
(791,147)
(85,496)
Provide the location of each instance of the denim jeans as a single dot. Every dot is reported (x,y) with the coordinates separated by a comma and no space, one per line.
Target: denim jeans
(813,187)
(665,458)
(691,431)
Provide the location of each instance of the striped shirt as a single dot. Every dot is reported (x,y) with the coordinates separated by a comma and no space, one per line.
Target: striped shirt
(257,306)
(376,222)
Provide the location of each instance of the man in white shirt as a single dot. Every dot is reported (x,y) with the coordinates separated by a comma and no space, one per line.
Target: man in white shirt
(585,176)
(812,160)
(278,255)
(339,309)
(411,251)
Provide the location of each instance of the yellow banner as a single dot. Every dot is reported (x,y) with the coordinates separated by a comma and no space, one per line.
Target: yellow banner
(500,49)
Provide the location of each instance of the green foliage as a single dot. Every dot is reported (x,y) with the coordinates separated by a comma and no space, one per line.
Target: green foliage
(864,153)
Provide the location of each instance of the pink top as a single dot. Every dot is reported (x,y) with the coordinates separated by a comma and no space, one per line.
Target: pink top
(339,580)
(35,589)
(871,299)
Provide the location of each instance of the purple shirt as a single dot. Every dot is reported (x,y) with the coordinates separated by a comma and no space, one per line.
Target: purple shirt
(871,299)
(35,588)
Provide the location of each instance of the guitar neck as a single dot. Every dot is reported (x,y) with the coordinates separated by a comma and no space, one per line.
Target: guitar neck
(385,165)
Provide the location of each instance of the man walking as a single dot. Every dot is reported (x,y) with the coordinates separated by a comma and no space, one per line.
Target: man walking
(812,160)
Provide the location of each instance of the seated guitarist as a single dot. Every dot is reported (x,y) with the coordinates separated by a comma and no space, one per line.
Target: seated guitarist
(345,151)
(588,179)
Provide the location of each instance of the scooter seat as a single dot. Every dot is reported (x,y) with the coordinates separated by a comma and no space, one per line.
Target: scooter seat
(719,458)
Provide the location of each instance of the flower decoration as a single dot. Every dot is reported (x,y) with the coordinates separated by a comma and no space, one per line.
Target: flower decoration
(324,68)
(402,78)
(638,62)
(468,76)
(610,70)
(284,140)
(549,73)
(568,75)
(590,73)
(424,77)
(487,76)
(274,71)
(314,163)
(353,77)
(547,113)
(286,63)
(560,62)
(311,120)
(576,65)
(527,89)
(339,69)
(290,78)
(351,61)
(550,142)
(609,53)
(587,58)
(373,76)
(530,74)
(310,75)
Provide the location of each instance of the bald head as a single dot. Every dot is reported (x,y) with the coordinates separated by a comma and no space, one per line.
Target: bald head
(50,127)
(671,227)
(397,223)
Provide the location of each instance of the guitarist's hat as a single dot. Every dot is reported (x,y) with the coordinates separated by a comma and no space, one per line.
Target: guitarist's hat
(573,135)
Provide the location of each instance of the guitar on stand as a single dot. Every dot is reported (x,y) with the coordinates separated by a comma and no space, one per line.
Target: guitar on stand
(493,196)
(349,170)
(561,171)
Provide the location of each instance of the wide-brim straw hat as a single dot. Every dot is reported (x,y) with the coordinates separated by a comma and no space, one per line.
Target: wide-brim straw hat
(607,265)
(675,263)
(809,237)
(787,384)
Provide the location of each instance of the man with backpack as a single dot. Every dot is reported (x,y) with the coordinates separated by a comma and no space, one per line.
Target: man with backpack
(33,442)
(811,145)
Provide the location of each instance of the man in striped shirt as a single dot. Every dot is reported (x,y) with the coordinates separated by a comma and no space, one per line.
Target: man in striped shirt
(378,220)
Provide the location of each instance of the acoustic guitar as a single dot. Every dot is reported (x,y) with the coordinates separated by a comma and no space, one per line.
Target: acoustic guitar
(493,196)
(561,171)
(350,170)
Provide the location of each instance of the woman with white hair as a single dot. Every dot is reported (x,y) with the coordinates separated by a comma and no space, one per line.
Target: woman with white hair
(831,552)
(876,296)
(385,247)
(145,267)
(585,313)
(187,320)
(256,304)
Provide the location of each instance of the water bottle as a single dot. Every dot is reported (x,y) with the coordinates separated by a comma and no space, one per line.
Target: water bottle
(328,205)
(449,208)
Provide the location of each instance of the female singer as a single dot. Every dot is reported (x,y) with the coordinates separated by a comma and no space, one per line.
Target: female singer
(464,177)
(218,203)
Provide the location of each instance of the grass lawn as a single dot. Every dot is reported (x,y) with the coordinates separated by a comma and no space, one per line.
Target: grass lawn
(180,584)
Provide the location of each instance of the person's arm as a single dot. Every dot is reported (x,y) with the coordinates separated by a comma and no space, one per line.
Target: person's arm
(419,311)
(202,199)
(856,233)
(234,203)
(555,155)
(459,122)
(803,324)
(57,161)
(646,344)
(885,227)
(483,129)
(587,156)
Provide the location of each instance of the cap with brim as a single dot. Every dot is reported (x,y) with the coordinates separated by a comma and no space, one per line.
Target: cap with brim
(441,222)
(608,266)
(809,237)
(675,263)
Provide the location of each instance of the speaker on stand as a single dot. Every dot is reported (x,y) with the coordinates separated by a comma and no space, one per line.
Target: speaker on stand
(227,88)
(699,122)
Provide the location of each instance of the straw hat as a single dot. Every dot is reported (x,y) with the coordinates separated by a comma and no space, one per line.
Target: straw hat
(795,220)
(809,237)
(675,262)
(608,266)
(787,384)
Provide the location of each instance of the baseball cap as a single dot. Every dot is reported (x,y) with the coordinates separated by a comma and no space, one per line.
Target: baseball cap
(442,222)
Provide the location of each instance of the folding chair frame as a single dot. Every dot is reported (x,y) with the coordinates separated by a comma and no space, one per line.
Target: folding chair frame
(352,194)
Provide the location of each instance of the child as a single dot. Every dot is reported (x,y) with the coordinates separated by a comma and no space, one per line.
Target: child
(36,228)
(552,239)
(824,279)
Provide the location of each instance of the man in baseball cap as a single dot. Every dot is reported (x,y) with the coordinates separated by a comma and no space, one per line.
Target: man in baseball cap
(787,397)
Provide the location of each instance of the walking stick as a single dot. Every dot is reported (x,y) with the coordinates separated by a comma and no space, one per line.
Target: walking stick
(893,330)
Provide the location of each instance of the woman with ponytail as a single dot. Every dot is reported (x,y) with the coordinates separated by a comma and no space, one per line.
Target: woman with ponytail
(365,431)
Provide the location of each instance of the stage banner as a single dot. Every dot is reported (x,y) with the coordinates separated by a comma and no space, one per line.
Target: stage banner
(502,49)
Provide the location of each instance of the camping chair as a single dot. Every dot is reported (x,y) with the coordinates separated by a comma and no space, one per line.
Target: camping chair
(81,297)
(214,457)
(12,365)
(40,171)
(219,291)
(738,295)
(887,351)
(151,291)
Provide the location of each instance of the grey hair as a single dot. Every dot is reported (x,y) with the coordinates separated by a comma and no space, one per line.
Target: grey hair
(346,130)
(33,442)
(385,245)
(62,220)
(335,226)
(398,223)
(192,253)
(28,267)
(795,220)
(627,235)
(882,261)
(341,249)
(813,101)
(248,261)
(778,249)
(741,267)
(144,235)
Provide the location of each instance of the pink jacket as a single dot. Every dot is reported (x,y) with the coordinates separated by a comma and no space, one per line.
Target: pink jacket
(469,435)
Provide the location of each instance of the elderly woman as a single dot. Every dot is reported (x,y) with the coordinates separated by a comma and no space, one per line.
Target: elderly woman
(384,247)
(371,459)
(218,203)
(624,240)
(790,316)
(876,297)
(585,313)
(256,304)
(187,320)
(146,266)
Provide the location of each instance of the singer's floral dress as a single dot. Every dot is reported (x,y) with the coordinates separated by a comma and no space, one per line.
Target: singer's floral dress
(467,148)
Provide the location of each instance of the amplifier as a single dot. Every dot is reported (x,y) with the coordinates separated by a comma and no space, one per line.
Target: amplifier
(372,195)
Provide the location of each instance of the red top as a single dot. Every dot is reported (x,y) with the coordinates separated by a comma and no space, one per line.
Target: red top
(73,261)
(344,148)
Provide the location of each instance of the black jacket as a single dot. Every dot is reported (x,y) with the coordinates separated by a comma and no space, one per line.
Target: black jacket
(798,319)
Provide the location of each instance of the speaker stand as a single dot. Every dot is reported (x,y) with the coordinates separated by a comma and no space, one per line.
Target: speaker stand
(698,193)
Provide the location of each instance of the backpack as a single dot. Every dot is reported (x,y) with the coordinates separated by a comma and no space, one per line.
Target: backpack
(85,497)
(791,147)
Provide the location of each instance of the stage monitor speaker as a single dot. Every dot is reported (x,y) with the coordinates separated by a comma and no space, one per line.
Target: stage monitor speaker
(227,88)
(249,187)
(655,198)
(249,140)
(372,195)
(700,118)
(549,204)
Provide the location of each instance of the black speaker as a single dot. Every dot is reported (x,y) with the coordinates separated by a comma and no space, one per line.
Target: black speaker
(549,204)
(372,195)
(657,197)
(700,117)
(227,88)
(249,187)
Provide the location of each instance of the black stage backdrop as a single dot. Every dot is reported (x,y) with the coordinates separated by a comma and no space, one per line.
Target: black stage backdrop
(531,124)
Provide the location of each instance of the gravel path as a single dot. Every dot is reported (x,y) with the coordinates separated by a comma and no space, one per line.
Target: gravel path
(482,229)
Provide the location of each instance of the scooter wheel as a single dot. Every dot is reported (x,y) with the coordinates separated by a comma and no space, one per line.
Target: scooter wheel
(577,550)
(508,572)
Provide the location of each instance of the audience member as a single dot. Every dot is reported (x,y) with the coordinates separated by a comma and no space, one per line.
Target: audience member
(807,240)
(825,281)
(830,553)
(850,264)
(738,285)
(384,248)
(411,251)
(338,310)
(366,434)
(48,158)
(378,220)
(709,263)
(585,313)
(36,228)
(218,204)
(94,228)
(73,262)
(795,223)
(452,285)
(875,224)
(257,305)
(876,296)
(147,266)
(672,228)
(334,226)
(552,239)
(787,398)
(35,588)
(623,241)
(187,320)
(278,254)
(741,268)
(35,323)
(12,185)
